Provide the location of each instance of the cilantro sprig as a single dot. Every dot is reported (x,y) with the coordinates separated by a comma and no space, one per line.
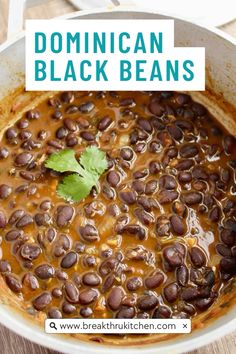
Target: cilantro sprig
(91,165)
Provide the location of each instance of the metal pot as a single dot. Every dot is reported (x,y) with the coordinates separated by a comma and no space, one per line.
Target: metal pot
(221,100)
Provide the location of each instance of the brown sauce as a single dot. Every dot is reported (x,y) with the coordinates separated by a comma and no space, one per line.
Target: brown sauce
(158,238)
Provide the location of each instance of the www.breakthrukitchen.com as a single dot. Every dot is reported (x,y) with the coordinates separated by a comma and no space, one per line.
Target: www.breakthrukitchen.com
(118,326)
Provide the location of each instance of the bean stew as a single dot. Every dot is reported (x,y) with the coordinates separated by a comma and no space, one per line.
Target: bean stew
(155,239)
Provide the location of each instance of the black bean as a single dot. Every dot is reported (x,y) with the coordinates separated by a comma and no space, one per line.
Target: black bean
(198,109)
(167,182)
(24,221)
(108,192)
(164,138)
(185,177)
(86,107)
(57,114)
(145,203)
(184,124)
(23,159)
(67,97)
(198,172)
(184,165)
(171,292)
(147,302)
(197,257)
(182,275)
(215,214)
(89,261)
(127,101)
(91,279)
(68,308)
(154,280)
(107,266)
(25,135)
(72,293)
(143,216)
(126,312)
(134,229)
(155,147)
(61,133)
(5,266)
(175,132)
(33,114)
(223,250)
(163,226)
(134,283)
(22,188)
(113,178)
(11,134)
(3,219)
(108,282)
(44,271)
(87,296)
(177,224)
(30,251)
(62,276)
(54,313)
(190,293)
(188,150)
(140,174)
(18,243)
(127,154)
(166,196)
(151,187)
(71,140)
(88,233)
(204,304)
(27,175)
(12,235)
(30,281)
(229,144)
(42,219)
(70,124)
(104,123)
(173,256)
(156,108)
(3,153)
(138,135)
(45,205)
(114,298)
(138,186)
(54,102)
(5,191)
(64,215)
(42,301)
(86,312)
(13,283)
(182,98)
(57,144)
(228,265)
(179,208)
(87,136)
(69,260)
(57,293)
(154,167)
(191,198)
(144,124)
(128,197)
(162,312)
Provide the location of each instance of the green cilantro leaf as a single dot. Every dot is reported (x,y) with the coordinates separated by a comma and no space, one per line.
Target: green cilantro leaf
(90,167)
(94,160)
(63,161)
(74,188)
